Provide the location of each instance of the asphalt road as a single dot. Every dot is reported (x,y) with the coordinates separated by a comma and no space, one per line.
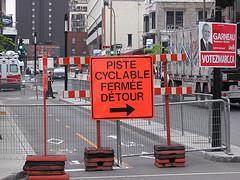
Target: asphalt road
(134,167)
(235,124)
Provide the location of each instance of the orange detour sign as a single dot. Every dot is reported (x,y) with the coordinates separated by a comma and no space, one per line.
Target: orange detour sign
(122,87)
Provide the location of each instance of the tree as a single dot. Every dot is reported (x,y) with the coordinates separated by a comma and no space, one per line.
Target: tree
(5,42)
(156,49)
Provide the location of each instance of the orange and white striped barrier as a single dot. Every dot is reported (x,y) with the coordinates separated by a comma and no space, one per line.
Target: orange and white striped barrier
(73,60)
(86,60)
(169,57)
(173,90)
(157,91)
(76,94)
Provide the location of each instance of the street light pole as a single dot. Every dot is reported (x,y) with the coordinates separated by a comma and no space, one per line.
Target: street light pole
(66,54)
(35,53)
(35,61)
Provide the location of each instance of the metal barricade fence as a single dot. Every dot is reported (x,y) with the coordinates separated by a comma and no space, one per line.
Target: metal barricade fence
(70,129)
(191,125)
(76,84)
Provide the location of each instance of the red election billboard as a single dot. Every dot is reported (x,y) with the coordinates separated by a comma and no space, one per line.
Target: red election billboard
(217,44)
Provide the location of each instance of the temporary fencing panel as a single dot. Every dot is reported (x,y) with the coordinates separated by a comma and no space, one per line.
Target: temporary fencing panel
(70,129)
(190,125)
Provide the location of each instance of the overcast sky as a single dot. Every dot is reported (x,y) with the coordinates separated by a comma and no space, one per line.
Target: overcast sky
(10,8)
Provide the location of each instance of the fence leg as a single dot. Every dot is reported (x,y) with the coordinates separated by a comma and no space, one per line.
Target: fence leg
(119,145)
(227,120)
(181,100)
(216,125)
(164,117)
(210,122)
(36,86)
(98,135)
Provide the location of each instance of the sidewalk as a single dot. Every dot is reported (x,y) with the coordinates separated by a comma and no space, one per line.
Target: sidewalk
(10,168)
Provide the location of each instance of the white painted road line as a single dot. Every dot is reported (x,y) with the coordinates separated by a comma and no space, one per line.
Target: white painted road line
(55,141)
(157,175)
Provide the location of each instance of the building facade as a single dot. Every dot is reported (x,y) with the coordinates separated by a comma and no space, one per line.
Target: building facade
(45,17)
(77,44)
(78,16)
(115,22)
(2,10)
(164,16)
(2,7)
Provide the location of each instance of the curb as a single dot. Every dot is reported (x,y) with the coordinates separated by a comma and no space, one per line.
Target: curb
(222,156)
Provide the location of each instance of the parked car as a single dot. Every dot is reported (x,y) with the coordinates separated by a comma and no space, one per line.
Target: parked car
(59,73)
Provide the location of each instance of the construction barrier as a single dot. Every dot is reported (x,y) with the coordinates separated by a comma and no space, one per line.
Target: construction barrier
(173,90)
(169,57)
(76,94)
(191,126)
(158,91)
(86,60)
(98,159)
(168,152)
(169,155)
(45,167)
(101,158)
(73,60)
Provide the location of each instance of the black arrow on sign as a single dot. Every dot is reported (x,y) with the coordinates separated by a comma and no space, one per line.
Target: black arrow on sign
(128,109)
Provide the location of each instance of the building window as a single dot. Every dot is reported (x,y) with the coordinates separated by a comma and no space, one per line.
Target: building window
(81,9)
(73,40)
(129,40)
(174,19)
(200,15)
(146,23)
(153,20)
(73,51)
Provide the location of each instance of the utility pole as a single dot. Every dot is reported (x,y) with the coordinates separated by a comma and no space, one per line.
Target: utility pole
(217,85)
(35,54)
(66,54)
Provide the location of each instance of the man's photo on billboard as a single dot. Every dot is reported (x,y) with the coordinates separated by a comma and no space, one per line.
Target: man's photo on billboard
(206,44)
